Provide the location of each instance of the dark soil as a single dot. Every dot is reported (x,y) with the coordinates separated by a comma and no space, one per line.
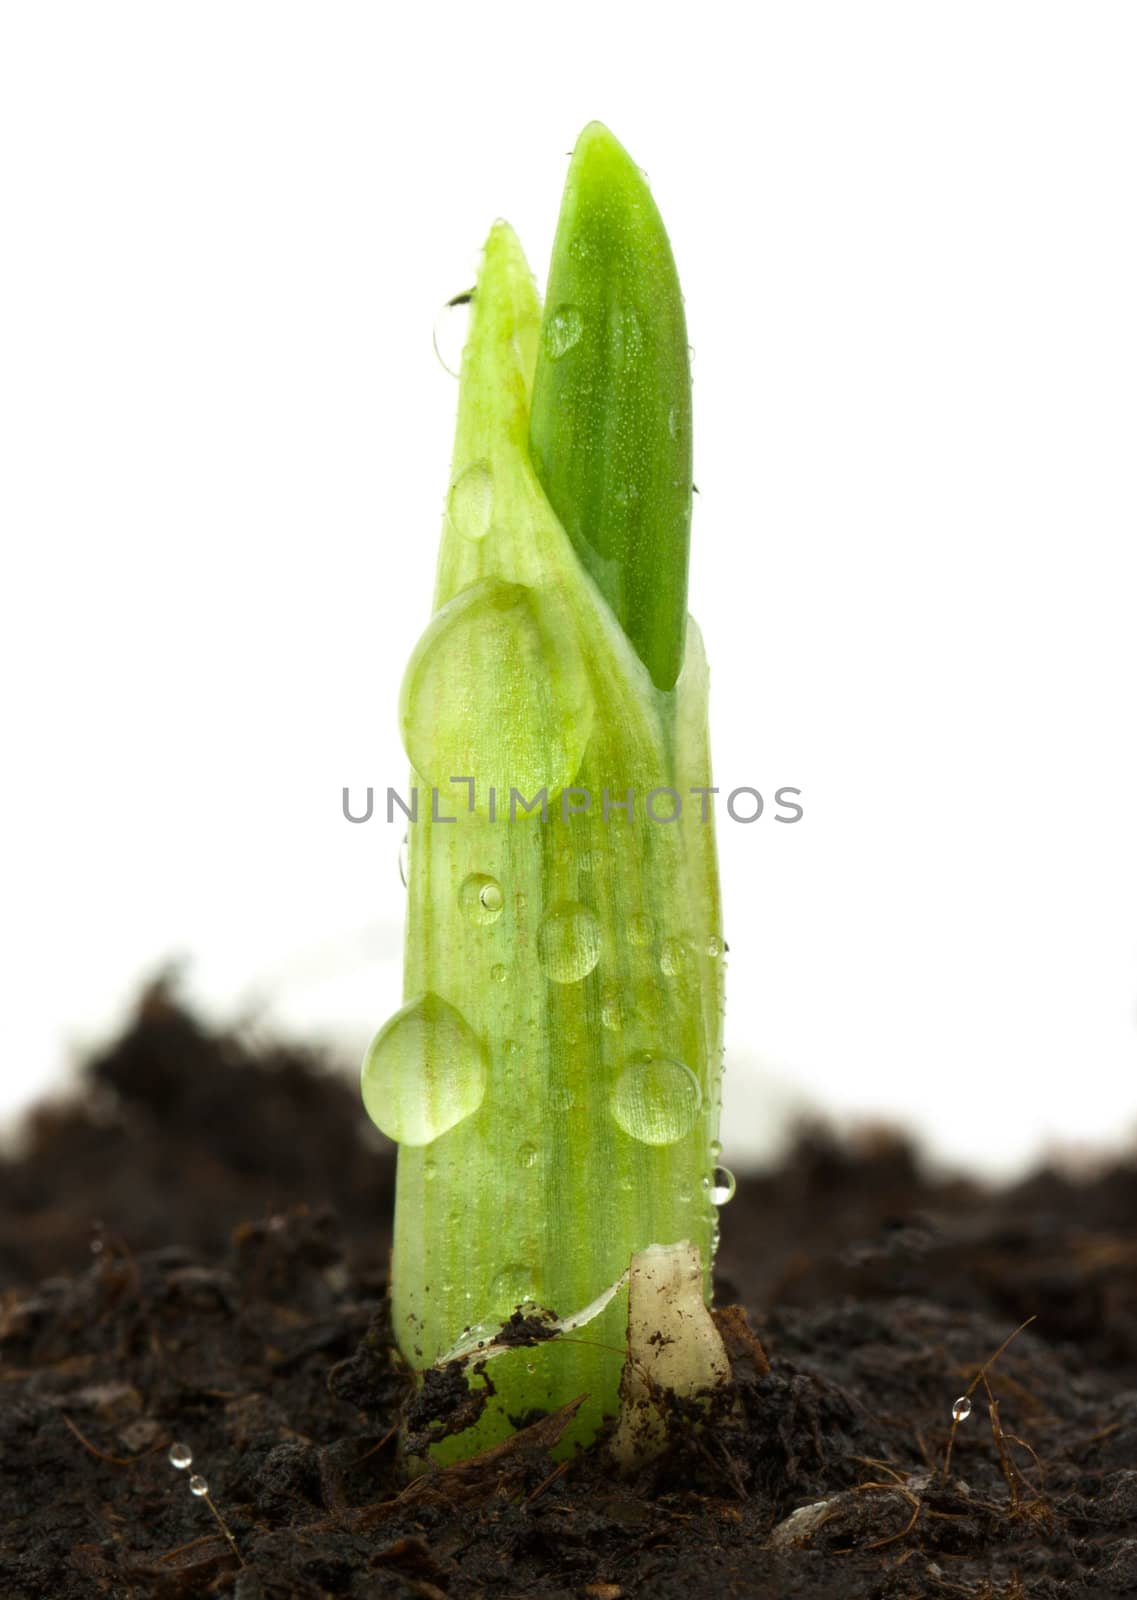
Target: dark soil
(195,1250)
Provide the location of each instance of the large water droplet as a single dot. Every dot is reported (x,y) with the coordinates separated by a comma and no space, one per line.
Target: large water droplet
(451,326)
(469,505)
(568,942)
(562,330)
(497,689)
(722,1186)
(961,1410)
(424,1073)
(656,1099)
(180,1455)
(481,899)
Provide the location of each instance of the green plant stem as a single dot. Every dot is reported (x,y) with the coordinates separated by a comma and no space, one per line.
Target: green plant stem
(569,1055)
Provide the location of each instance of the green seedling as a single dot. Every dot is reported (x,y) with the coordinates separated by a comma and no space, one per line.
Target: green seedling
(553,1076)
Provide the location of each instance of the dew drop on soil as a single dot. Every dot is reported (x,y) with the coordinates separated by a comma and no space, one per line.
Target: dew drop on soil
(469,505)
(451,326)
(424,1072)
(198,1485)
(568,942)
(180,1455)
(656,1099)
(961,1410)
(562,330)
(481,899)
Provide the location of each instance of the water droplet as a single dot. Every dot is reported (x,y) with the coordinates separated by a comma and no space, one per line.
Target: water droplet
(612,1010)
(568,942)
(641,929)
(481,899)
(499,973)
(512,1288)
(961,1410)
(562,330)
(722,1186)
(672,958)
(469,505)
(527,1155)
(561,1098)
(430,1170)
(424,1072)
(626,334)
(656,1099)
(714,947)
(180,1455)
(497,687)
(405,859)
(198,1485)
(451,326)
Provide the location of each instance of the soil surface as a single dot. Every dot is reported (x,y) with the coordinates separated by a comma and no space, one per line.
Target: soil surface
(194,1249)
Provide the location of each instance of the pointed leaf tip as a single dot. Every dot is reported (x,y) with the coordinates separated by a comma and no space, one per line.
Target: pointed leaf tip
(610,427)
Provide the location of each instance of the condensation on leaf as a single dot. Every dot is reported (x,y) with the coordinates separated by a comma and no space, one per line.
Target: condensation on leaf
(497,691)
(424,1072)
(656,1099)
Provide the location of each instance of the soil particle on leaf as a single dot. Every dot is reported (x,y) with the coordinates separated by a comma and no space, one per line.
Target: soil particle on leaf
(194,1249)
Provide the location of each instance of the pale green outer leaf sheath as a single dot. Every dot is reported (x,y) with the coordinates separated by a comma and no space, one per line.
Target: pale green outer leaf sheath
(554,1072)
(610,431)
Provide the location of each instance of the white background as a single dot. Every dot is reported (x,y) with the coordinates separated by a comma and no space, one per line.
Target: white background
(907,240)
